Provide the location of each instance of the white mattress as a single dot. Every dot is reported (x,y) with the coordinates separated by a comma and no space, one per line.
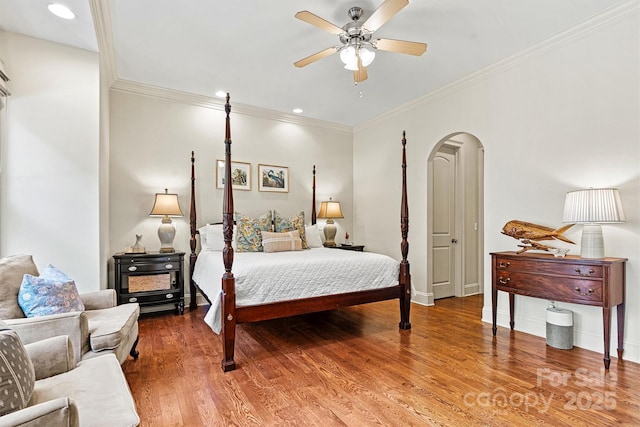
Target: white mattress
(280,276)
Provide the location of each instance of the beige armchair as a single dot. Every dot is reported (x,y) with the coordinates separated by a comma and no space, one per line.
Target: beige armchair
(42,386)
(104,326)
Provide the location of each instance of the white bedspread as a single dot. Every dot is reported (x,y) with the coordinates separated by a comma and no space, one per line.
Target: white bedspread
(269,277)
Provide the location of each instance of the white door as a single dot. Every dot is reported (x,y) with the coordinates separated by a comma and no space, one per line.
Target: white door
(443,232)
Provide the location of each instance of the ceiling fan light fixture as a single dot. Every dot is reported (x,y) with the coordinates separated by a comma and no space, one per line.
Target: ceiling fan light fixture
(351,67)
(366,56)
(348,57)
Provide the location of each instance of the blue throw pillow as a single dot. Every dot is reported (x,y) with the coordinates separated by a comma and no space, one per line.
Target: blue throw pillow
(52,292)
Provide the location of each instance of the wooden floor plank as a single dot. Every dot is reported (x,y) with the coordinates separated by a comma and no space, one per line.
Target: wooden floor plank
(353,366)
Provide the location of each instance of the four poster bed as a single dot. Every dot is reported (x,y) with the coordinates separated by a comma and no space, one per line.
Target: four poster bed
(262,290)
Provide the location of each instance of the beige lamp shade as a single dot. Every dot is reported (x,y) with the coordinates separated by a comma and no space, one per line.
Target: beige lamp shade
(166,205)
(330,210)
(592,207)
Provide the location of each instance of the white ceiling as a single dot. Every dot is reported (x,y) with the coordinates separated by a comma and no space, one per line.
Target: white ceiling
(248,47)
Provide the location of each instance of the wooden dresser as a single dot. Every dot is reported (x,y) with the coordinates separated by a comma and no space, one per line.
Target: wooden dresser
(597,282)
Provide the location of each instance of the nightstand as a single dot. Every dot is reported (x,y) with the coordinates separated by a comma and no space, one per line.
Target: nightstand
(150,279)
(358,248)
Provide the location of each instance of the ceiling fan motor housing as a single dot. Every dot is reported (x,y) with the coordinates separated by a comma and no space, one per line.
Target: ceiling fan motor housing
(355,33)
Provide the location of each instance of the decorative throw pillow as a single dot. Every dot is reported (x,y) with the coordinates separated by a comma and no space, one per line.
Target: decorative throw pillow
(296,222)
(249,231)
(52,293)
(12,269)
(17,376)
(281,242)
(313,236)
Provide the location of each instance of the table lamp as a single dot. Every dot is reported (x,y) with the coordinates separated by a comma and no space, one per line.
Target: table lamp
(166,205)
(592,207)
(330,210)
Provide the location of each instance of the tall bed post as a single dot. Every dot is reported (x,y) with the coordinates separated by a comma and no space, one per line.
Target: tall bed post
(228,280)
(313,197)
(405,274)
(192,242)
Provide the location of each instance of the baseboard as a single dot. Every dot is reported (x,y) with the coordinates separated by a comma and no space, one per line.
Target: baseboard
(586,339)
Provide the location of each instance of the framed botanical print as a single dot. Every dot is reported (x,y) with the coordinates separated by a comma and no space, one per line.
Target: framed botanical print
(240,175)
(273,178)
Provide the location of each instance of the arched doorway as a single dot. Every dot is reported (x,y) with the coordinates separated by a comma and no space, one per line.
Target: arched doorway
(455,217)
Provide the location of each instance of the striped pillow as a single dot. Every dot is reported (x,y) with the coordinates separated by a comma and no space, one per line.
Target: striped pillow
(281,242)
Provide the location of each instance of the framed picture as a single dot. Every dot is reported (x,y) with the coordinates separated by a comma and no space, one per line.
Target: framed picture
(273,178)
(240,175)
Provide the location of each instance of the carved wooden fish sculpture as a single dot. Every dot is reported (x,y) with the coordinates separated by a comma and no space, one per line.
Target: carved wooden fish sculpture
(530,231)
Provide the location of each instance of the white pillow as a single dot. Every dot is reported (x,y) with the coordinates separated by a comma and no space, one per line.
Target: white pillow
(313,236)
(203,237)
(212,237)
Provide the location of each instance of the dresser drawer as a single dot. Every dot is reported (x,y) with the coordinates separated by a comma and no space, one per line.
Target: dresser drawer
(549,267)
(577,290)
(139,266)
(167,297)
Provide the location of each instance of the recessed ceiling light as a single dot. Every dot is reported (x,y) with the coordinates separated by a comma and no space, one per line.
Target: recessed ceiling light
(298,110)
(61,11)
(221,94)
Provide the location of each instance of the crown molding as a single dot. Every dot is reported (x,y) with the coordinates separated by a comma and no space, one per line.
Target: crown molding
(101,13)
(128,86)
(596,23)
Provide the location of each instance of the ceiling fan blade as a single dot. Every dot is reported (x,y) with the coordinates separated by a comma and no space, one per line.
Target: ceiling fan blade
(401,46)
(316,21)
(386,11)
(360,74)
(315,57)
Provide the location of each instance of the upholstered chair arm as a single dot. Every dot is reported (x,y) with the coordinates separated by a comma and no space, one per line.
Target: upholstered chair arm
(97,300)
(74,324)
(61,412)
(51,356)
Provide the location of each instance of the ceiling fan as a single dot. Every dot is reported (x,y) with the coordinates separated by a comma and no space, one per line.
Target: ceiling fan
(357,40)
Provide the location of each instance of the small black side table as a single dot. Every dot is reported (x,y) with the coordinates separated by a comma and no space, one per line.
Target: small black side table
(152,278)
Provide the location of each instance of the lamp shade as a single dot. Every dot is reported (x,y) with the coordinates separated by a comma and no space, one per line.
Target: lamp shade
(593,205)
(330,209)
(166,204)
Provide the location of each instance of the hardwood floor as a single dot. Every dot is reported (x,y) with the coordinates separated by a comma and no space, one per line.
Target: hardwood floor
(353,367)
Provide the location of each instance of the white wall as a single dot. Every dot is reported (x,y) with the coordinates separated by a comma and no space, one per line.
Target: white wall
(150,149)
(49,197)
(563,116)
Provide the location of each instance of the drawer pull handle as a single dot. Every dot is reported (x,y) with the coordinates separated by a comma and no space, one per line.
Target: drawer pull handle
(589,291)
(504,281)
(133,299)
(169,296)
(504,264)
(133,268)
(590,272)
(168,266)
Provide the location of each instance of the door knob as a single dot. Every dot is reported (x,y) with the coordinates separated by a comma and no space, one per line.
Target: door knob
(454,241)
